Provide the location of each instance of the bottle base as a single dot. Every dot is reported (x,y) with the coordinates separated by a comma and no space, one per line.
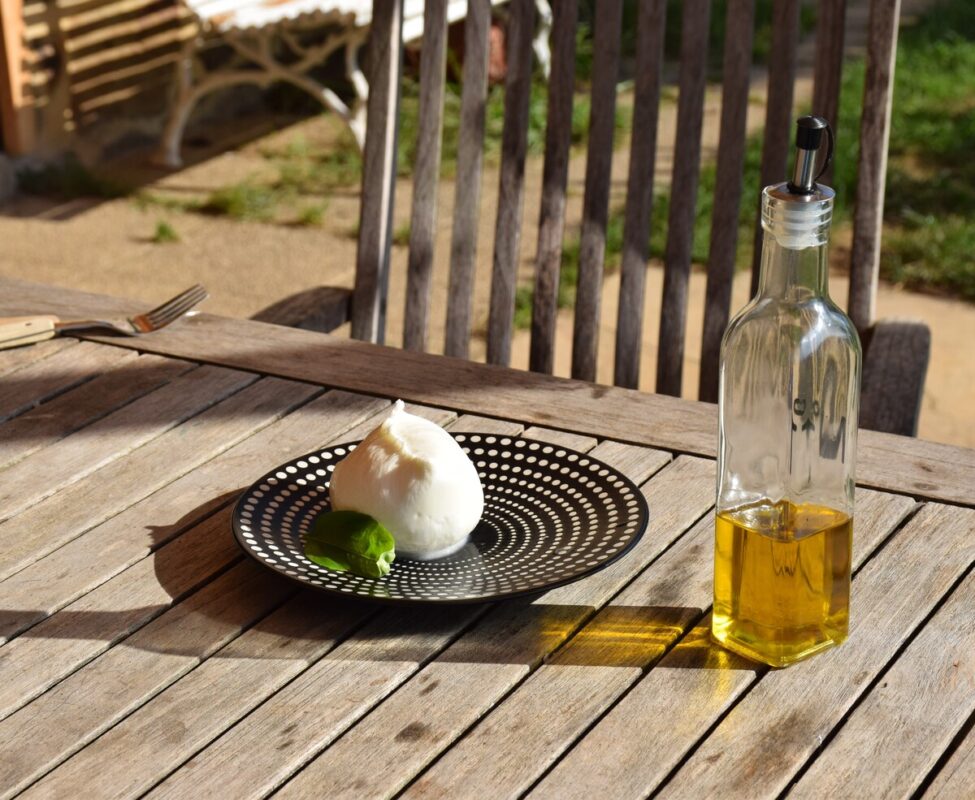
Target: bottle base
(783,657)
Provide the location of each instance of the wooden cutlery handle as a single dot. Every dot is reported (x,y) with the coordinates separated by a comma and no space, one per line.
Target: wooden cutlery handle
(15,331)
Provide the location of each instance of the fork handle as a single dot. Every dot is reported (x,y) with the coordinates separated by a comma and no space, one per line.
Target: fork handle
(15,331)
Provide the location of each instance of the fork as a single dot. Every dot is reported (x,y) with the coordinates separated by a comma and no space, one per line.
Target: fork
(15,331)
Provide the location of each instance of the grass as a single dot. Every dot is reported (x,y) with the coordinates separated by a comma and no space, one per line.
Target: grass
(247,200)
(164,233)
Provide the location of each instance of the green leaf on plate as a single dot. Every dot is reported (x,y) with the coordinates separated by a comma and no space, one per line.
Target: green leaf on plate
(347,541)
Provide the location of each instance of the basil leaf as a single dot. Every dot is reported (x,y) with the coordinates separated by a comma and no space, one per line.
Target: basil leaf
(347,541)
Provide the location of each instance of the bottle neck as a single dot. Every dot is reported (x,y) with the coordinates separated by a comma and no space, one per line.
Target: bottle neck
(794,274)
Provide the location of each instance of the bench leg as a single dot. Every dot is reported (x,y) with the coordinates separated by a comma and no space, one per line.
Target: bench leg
(357,112)
(540,43)
(172,136)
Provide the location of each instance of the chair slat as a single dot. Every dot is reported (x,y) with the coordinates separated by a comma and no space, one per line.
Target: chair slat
(595,210)
(828,71)
(514,141)
(651,23)
(467,192)
(680,226)
(426,174)
(778,109)
(378,173)
(874,137)
(739,26)
(551,226)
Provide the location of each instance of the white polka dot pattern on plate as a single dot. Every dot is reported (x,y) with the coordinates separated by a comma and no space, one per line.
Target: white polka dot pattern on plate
(551,516)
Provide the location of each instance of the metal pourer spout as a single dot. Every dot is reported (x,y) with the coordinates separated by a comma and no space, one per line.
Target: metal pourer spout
(809,137)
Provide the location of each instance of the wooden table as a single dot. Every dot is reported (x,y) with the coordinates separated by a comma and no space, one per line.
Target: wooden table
(142,654)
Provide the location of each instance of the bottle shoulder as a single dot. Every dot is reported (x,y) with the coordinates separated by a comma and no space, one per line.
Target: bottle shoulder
(817,315)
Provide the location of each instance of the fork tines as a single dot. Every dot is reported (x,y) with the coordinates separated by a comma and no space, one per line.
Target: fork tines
(175,308)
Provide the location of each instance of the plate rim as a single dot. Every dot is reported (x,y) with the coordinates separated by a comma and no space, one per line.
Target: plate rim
(643,524)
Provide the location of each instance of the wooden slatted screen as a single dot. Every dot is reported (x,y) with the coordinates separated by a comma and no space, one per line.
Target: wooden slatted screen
(511,192)
(680,226)
(551,225)
(739,25)
(874,136)
(467,192)
(378,173)
(595,210)
(828,70)
(651,24)
(779,123)
(426,174)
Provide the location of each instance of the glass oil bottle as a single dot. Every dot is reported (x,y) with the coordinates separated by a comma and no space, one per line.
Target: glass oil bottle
(788,407)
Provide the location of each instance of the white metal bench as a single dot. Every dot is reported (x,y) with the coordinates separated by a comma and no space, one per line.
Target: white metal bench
(253,28)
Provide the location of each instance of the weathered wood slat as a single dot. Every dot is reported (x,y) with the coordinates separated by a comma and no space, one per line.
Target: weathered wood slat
(758,747)
(467,191)
(103,492)
(378,173)
(56,725)
(828,69)
(133,755)
(511,190)
(723,249)
(18,357)
(586,676)
(555,175)
(957,776)
(102,552)
(694,683)
(868,215)
(695,16)
(112,437)
(147,759)
(426,174)
(896,735)
(74,409)
(35,383)
(893,463)
(595,209)
(453,691)
(86,628)
(651,24)
(317,705)
(779,125)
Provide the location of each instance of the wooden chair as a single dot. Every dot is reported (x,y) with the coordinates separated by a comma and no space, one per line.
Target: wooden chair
(896,353)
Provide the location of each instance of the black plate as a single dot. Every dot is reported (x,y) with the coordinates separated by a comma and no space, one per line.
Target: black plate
(551,516)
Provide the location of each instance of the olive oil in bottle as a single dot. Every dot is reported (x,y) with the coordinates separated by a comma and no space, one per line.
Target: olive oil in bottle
(781,580)
(788,403)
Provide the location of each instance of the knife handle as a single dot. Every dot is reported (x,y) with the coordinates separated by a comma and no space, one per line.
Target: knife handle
(15,331)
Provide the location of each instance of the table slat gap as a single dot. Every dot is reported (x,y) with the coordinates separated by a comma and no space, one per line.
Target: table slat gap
(896,744)
(115,436)
(59,579)
(474,424)
(505,646)
(955,771)
(207,429)
(585,770)
(39,383)
(85,405)
(17,358)
(934,528)
(152,658)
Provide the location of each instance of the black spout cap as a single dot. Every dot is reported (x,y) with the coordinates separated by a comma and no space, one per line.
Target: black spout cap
(809,132)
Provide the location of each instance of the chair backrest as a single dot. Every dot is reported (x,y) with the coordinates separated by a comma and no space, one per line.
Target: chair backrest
(380,170)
